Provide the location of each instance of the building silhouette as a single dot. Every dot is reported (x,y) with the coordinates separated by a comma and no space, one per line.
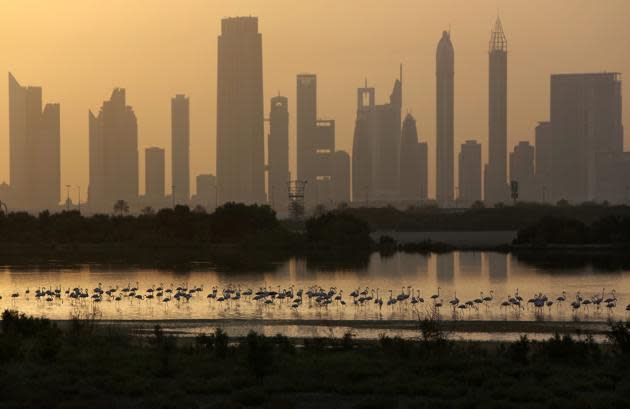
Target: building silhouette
(322,184)
(587,137)
(278,155)
(376,146)
(412,163)
(543,161)
(154,175)
(495,175)
(34,153)
(423,154)
(469,173)
(113,154)
(306,119)
(315,144)
(180,148)
(522,170)
(240,127)
(361,158)
(445,115)
(340,177)
(206,188)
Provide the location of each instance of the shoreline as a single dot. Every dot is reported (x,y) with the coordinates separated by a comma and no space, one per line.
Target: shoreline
(131,251)
(459,326)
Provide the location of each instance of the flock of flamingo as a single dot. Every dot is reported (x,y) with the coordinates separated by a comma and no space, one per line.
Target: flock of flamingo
(316,296)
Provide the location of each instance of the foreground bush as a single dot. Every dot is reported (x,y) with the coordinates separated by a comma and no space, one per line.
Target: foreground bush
(107,367)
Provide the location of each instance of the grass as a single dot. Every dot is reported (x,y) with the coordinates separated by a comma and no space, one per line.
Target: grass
(78,367)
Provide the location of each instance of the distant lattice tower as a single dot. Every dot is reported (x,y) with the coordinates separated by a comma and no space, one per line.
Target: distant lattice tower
(296,198)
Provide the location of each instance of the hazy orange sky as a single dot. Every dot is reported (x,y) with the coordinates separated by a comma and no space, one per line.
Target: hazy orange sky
(78,50)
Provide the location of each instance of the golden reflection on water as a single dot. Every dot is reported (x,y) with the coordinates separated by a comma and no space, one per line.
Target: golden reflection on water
(465,275)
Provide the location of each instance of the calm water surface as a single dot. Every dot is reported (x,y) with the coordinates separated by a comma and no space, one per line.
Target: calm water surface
(462,274)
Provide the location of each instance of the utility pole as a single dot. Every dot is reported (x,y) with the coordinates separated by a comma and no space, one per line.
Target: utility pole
(79,188)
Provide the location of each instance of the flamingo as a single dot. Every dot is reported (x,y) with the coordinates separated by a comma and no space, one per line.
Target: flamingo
(434,297)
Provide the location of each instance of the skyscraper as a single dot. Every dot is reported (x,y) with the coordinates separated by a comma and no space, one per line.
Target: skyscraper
(376,146)
(240,128)
(154,174)
(522,170)
(278,153)
(341,177)
(410,161)
(113,154)
(423,155)
(364,125)
(34,154)
(206,186)
(495,186)
(385,148)
(315,144)
(306,117)
(543,161)
(180,148)
(322,164)
(445,74)
(586,128)
(469,173)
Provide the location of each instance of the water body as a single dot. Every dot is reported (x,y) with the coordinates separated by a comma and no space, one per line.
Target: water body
(465,275)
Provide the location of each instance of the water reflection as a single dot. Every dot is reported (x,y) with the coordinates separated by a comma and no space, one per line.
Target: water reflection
(497,266)
(470,263)
(445,267)
(468,274)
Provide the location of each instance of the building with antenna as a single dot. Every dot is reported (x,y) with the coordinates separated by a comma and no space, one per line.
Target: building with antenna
(376,146)
(495,175)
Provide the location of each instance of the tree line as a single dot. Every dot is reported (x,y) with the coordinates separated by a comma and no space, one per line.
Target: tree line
(608,230)
(232,223)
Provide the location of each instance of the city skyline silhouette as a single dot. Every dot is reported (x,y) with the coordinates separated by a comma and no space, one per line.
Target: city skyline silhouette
(469,37)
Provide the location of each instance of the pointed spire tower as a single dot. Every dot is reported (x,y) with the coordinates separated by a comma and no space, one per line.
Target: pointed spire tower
(496,187)
(498,41)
